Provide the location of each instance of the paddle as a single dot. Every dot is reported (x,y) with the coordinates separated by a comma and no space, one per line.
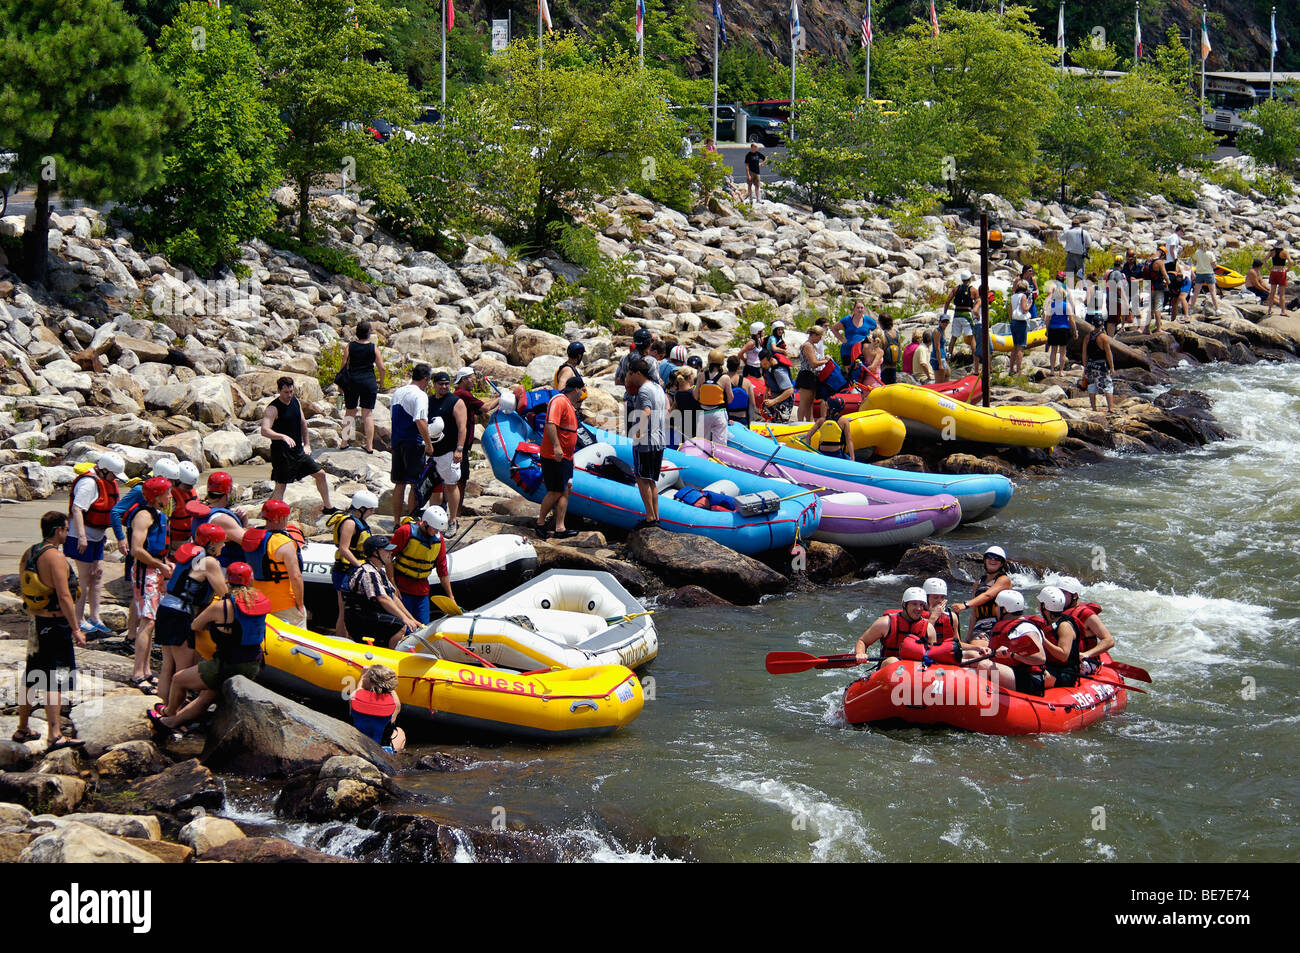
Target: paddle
(445,606)
(463,534)
(423,641)
(615,619)
(1131,688)
(1129,671)
(787,663)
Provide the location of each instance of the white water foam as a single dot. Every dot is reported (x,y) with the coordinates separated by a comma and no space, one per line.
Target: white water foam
(840,830)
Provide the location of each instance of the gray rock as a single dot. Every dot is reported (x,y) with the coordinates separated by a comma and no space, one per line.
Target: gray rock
(103,722)
(82,844)
(206,832)
(42,793)
(226,448)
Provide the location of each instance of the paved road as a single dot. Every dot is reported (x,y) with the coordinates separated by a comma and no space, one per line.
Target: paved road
(20,203)
(735,156)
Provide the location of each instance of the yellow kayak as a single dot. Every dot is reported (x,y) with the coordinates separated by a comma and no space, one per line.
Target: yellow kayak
(571,703)
(1002,342)
(1227,278)
(927,413)
(870,430)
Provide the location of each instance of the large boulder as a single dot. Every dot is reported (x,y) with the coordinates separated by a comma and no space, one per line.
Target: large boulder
(258,732)
(82,844)
(181,787)
(143,826)
(344,787)
(131,759)
(213,400)
(226,448)
(528,343)
(42,793)
(688,559)
(206,832)
(269,850)
(103,722)
(261,383)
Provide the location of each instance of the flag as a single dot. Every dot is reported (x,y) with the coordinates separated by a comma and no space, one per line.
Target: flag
(545,11)
(717,15)
(640,19)
(1137,27)
(1060,30)
(1205,36)
(866,30)
(794,20)
(451,14)
(1002,8)
(1273,30)
(934,19)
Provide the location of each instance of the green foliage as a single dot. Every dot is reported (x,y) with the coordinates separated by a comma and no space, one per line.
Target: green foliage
(1275,186)
(719,282)
(81,105)
(221,166)
(319,78)
(333,260)
(328,362)
(833,308)
(1240,259)
(1275,140)
(763,311)
(413,46)
(606,283)
(682,184)
(547,315)
(669,39)
(746,73)
(908,215)
(1228,178)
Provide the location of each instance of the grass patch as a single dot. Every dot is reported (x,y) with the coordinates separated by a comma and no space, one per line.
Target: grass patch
(719,282)
(331,259)
(763,311)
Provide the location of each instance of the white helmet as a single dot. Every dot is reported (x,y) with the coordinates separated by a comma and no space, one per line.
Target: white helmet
(189,473)
(997,551)
(436,427)
(166,467)
(756,327)
(1011,601)
(364,500)
(113,463)
(1070,584)
(1052,599)
(777,324)
(934,586)
(915,594)
(966,275)
(436,517)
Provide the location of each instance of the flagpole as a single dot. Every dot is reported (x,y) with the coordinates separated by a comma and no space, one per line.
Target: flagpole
(793,44)
(868,52)
(1060,34)
(715,81)
(444,54)
(640,44)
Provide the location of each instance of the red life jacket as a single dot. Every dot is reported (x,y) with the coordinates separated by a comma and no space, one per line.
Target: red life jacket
(1072,660)
(944,626)
(1000,636)
(181,525)
(901,632)
(97,517)
(1079,614)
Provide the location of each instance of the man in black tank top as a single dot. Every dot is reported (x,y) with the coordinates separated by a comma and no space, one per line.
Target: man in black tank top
(449,448)
(286,427)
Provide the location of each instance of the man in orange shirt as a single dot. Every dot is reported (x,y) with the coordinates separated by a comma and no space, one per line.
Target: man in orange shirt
(558,444)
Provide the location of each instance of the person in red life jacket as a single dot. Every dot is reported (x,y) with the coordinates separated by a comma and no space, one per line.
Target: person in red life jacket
(375,707)
(90,504)
(1016,645)
(1094,637)
(181,524)
(195,579)
(216,509)
(1062,644)
(902,633)
(237,624)
(272,551)
(994,582)
(946,621)
(419,549)
(150,549)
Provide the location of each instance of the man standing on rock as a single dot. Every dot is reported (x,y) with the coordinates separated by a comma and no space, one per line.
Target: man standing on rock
(449,450)
(1077,242)
(49,590)
(92,500)
(647,425)
(558,444)
(411,442)
(285,426)
(753,172)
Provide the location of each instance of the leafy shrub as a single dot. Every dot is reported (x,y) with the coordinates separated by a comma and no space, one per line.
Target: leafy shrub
(333,260)
(328,361)
(763,311)
(719,282)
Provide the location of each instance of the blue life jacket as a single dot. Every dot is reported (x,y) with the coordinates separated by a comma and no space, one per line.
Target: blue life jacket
(231,552)
(157,541)
(183,591)
(691,496)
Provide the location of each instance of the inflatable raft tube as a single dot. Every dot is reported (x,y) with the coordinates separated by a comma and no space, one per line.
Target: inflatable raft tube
(1000,336)
(874,433)
(930,414)
(905,692)
(551,706)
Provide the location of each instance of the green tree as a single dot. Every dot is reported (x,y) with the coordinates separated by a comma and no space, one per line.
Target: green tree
(669,38)
(92,133)
(1275,140)
(413,46)
(320,79)
(220,167)
(746,74)
(1080,139)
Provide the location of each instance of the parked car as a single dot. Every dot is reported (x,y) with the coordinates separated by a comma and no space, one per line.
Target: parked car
(7,159)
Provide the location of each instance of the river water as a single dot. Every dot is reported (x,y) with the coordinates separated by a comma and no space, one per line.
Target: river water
(1193,558)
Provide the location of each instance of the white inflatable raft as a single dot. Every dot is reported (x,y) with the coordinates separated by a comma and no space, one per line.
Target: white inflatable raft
(562,619)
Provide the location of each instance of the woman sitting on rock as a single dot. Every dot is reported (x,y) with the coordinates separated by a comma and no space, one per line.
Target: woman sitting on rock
(375,708)
(237,624)
(195,580)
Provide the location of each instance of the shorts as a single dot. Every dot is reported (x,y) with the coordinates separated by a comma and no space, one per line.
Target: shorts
(408,463)
(1158,298)
(1259,293)
(172,627)
(1058,337)
(755,372)
(1203,279)
(646,463)
(379,626)
(464,465)
(1099,380)
(214,673)
(340,580)
(889,373)
(713,426)
(51,659)
(364,392)
(447,468)
(961,325)
(1074,263)
(148,593)
(1066,676)
(751,176)
(1019,333)
(807,380)
(557,475)
(93,554)
(417,605)
(1277,277)
(1029,682)
(290,466)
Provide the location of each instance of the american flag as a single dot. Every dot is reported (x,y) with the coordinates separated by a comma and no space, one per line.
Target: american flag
(640,19)
(866,30)
(717,15)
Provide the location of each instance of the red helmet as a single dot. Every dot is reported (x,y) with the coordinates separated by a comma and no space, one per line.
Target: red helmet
(275,510)
(209,533)
(157,488)
(220,483)
(239,574)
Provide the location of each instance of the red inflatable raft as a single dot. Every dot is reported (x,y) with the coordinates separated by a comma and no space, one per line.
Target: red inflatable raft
(962,698)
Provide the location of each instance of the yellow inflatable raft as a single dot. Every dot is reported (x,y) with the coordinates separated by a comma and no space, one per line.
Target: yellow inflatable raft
(871,430)
(1037,337)
(1226,278)
(571,703)
(927,413)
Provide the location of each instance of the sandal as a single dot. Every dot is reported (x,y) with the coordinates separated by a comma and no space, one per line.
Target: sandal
(64,742)
(155,717)
(145,686)
(24,735)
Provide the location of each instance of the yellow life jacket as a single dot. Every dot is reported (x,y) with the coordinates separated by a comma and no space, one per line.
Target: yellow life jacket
(37,596)
(335,522)
(418,557)
(712,397)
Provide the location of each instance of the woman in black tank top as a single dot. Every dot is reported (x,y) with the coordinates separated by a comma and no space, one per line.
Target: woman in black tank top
(994,581)
(364,366)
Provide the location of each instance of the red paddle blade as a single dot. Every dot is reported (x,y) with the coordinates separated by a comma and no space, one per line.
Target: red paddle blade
(786,663)
(1129,671)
